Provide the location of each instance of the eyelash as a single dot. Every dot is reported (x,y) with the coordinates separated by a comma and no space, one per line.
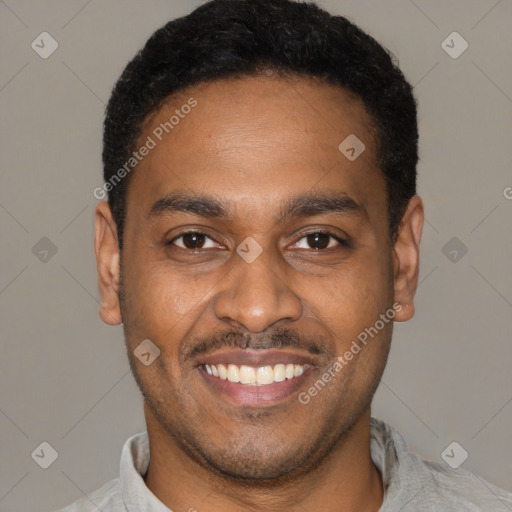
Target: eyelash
(341,241)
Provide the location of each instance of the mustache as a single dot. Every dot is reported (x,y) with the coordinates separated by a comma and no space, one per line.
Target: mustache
(277,339)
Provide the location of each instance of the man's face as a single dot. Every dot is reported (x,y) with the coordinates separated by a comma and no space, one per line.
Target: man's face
(325,272)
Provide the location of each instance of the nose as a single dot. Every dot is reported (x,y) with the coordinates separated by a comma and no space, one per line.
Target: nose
(256,295)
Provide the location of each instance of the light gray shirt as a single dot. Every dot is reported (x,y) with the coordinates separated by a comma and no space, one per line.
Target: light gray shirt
(411,484)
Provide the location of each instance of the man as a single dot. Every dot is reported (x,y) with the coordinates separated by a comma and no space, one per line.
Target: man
(261,236)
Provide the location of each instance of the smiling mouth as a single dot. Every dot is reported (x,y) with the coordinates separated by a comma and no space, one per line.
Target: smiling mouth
(256,376)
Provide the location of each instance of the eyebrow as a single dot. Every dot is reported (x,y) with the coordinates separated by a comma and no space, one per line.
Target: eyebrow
(305,205)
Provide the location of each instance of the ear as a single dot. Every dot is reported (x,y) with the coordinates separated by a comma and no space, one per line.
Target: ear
(106,249)
(406,255)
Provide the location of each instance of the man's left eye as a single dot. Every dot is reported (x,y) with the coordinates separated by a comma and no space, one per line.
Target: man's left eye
(319,240)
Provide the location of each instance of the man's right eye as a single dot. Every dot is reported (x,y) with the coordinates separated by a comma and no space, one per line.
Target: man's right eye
(192,240)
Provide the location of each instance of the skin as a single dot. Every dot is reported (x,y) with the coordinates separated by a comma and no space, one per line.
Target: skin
(255,143)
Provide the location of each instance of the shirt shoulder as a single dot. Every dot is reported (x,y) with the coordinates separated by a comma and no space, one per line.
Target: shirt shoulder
(107,498)
(413,484)
(449,489)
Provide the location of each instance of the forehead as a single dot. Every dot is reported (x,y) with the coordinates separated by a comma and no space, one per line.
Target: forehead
(256,141)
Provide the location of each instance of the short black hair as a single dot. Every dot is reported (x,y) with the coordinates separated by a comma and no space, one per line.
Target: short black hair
(224,39)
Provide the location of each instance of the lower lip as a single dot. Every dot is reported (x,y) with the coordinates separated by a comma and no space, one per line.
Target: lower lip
(245,394)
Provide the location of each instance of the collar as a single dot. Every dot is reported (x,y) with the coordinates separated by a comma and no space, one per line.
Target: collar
(389,453)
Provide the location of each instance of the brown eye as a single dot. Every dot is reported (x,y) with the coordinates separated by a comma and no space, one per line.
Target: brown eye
(319,240)
(192,240)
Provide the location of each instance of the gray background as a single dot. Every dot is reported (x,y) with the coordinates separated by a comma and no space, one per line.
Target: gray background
(64,376)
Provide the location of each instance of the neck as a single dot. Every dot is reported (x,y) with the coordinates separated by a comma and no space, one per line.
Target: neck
(345,480)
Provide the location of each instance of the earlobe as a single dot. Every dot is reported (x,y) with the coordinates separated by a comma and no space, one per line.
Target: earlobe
(406,258)
(106,249)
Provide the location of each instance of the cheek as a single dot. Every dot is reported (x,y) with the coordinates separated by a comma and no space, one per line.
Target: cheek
(163,307)
(162,294)
(353,299)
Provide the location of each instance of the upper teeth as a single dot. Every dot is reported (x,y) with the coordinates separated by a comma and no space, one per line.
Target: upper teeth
(251,375)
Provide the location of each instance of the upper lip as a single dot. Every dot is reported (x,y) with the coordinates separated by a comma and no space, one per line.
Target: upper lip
(258,357)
